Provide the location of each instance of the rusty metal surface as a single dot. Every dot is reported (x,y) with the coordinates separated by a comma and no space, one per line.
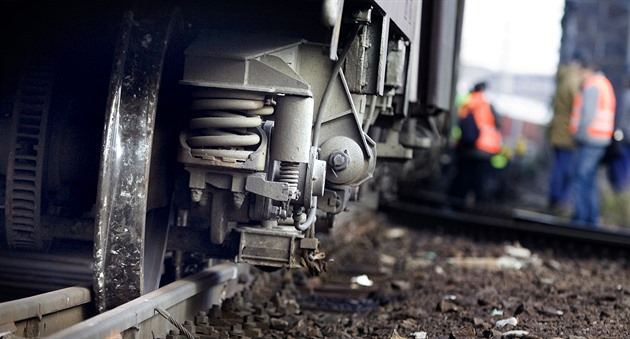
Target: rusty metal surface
(124,167)
(182,299)
(46,313)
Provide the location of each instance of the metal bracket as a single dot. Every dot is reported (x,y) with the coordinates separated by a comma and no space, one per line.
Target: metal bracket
(257,184)
(276,246)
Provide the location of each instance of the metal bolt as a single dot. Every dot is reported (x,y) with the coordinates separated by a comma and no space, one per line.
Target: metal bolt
(201,318)
(196,194)
(339,160)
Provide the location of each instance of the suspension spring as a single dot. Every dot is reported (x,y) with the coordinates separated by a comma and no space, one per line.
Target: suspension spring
(224,123)
(290,174)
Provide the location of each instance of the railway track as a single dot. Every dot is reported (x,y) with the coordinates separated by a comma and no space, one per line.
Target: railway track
(24,274)
(69,312)
(184,309)
(520,223)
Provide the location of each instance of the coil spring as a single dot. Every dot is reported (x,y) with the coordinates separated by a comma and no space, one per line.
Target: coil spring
(223,122)
(290,174)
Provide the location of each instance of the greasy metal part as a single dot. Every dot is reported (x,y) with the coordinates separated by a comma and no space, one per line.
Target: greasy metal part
(220,207)
(334,200)
(396,59)
(225,128)
(225,131)
(244,61)
(275,246)
(181,299)
(257,184)
(365,65)
(363,16)
(126,154)
(292,129)
(311,218)
(26,156)
(354,166)
(291,141)
(315,179)
(47,313)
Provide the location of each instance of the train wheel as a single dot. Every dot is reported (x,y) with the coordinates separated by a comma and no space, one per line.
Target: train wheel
(123,271)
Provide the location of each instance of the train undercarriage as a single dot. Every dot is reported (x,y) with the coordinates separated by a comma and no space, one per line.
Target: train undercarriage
(227,129)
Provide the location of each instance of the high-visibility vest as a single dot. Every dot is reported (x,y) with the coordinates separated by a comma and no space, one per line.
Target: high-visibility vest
(603,124)
(489,139)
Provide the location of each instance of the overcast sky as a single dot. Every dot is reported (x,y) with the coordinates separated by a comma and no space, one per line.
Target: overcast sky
(521,36)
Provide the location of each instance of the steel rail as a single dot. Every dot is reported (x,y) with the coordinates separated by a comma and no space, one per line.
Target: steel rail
(182,299)
(24,274)
(516,219)
(46,313)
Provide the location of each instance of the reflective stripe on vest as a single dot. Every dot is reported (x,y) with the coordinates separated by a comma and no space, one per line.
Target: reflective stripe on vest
(603,124)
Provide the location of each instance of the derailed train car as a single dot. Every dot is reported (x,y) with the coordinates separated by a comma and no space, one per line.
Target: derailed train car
(222,127)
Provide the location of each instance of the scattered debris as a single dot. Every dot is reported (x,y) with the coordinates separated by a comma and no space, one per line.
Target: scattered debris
(401,285)
(387,260)
(362,280)
(426,293)
(515,333)
(550,312)
(395,233)
(395,335)
(504,322)
(487,263)
(518,252)
(496,312)
(554,264)
(445,306)
(463,332)
(419,335)
(414,264)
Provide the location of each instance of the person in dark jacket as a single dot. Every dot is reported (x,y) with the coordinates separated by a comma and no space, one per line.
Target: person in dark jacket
(568,81)
(480,140)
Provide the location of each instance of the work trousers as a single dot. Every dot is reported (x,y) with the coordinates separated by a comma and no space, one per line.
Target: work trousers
(560,181)
(586,194)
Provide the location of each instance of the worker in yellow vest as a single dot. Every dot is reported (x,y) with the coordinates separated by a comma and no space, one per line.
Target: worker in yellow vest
(479,141)
(592,126)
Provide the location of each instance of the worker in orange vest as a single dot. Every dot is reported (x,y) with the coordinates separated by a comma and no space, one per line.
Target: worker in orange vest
(480,140)
(592,126)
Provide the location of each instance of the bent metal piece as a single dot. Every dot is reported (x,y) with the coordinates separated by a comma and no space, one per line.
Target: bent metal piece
(124,168)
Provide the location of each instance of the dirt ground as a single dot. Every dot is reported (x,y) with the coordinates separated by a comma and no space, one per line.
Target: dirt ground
(431,284)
